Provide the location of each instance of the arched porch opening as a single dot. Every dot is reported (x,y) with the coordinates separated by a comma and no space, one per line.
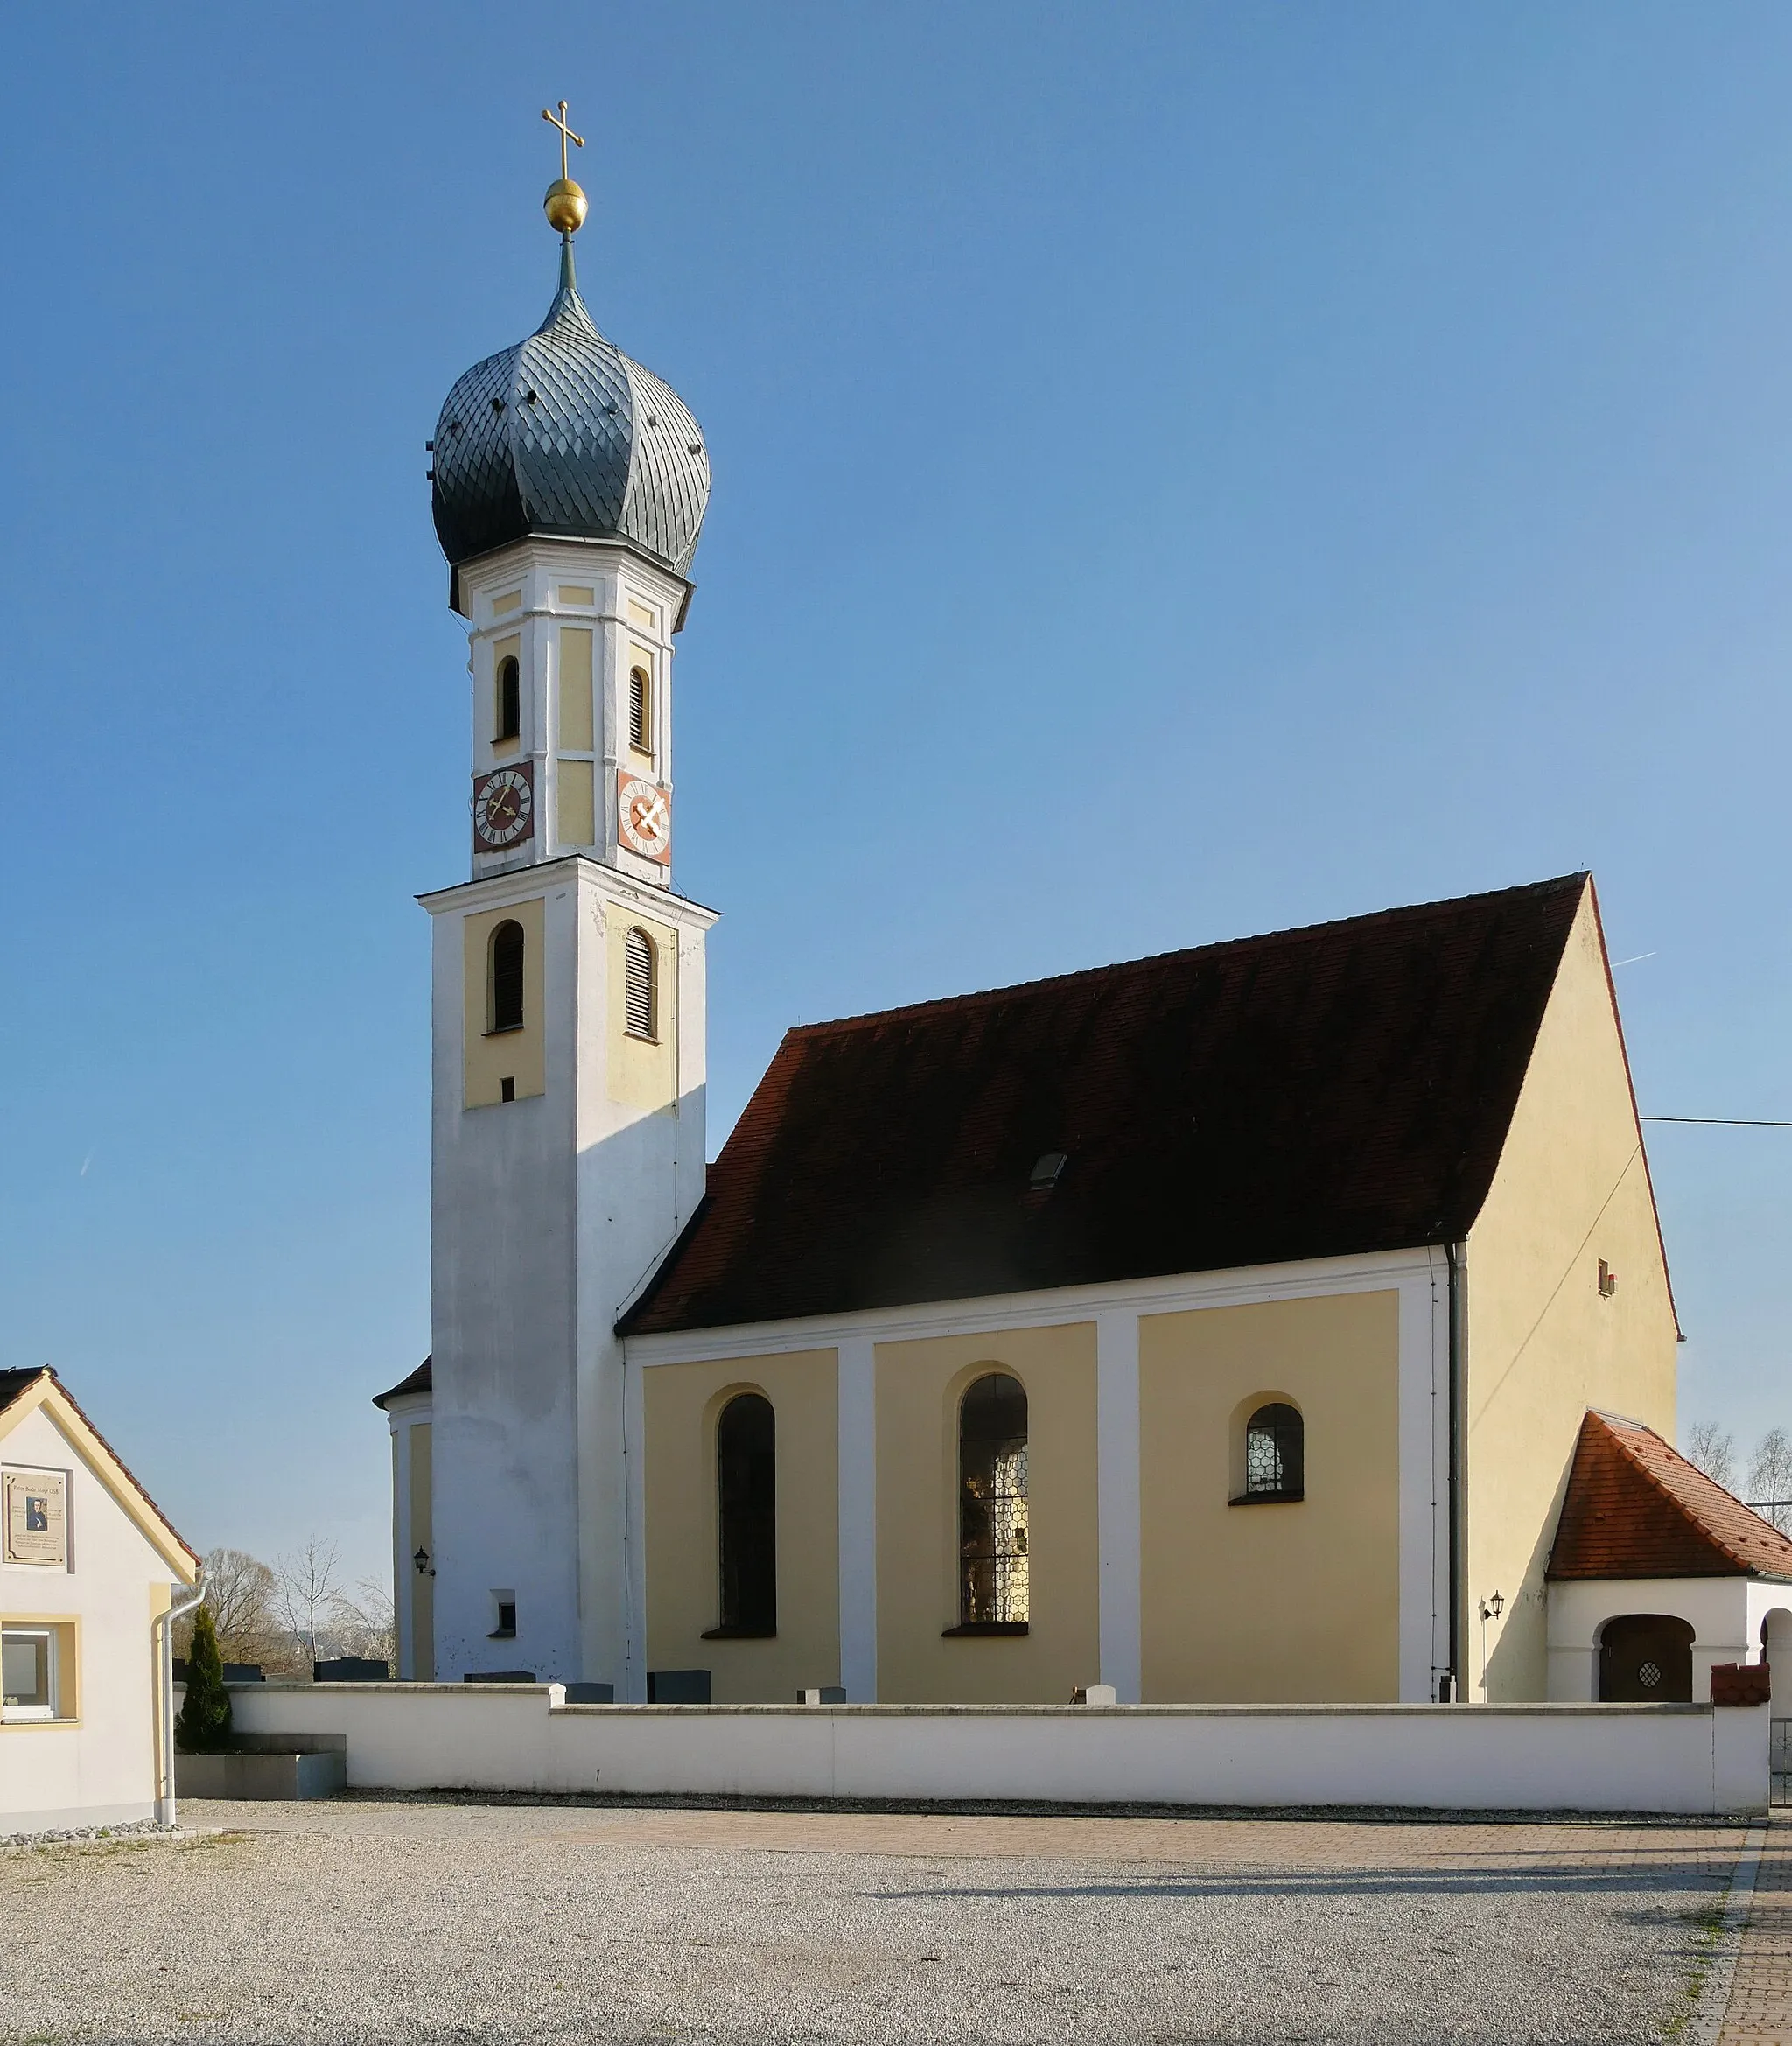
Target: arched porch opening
(1646,1658)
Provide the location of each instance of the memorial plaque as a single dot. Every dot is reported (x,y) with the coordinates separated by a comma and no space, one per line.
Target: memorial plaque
(36,1517)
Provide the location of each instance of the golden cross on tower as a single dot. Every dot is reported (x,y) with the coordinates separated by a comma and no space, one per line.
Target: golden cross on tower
(566,135)
(564,204)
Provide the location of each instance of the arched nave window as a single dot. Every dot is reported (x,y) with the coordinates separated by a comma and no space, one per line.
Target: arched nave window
(992,1528)
(639,989)
(746,1486)
(507,977)
(1274,1453)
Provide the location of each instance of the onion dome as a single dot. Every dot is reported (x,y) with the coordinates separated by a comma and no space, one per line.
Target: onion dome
(565,437)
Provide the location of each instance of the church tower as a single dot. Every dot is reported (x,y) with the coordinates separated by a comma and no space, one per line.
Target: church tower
(568,995)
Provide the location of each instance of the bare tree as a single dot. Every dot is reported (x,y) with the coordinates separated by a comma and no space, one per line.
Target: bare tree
(240,1588)
(1713,1449)
(1770,1479)
(306,1592)
(364,1623)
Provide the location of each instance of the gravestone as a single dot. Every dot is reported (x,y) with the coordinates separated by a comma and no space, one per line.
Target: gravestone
(678,1687)
(350,1669)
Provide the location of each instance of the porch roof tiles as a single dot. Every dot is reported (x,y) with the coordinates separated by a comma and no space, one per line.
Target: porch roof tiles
(1636,1507)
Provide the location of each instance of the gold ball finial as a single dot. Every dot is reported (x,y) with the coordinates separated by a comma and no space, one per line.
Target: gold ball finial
(564,206)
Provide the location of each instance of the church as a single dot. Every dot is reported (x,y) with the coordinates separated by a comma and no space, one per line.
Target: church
(1244,1324)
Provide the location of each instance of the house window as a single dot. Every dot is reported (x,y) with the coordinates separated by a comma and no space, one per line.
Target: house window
(746,1487)
(504,1611)
(507,947)
(992,1507)
(641,710)
(509,705)
(30,1672)
(638,984)
(1274,1454)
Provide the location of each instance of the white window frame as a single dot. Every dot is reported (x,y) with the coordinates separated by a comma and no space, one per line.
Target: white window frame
(48,1633)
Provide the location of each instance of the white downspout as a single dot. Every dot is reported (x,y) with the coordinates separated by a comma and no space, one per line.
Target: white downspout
(164,1653)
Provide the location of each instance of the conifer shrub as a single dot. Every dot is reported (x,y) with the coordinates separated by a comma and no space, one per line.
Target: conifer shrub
(204,1725)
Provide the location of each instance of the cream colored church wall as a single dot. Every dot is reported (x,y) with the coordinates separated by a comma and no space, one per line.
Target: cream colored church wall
(643,1073)
(1288,1602)
(681,1404)
(919,1386)
(518,1054)
(1543,1346)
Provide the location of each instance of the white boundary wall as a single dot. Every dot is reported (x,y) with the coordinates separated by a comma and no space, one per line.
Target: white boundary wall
(1682,1758)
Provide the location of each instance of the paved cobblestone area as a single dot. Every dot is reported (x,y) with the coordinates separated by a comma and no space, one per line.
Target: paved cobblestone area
(1760,1995)
(416,1921)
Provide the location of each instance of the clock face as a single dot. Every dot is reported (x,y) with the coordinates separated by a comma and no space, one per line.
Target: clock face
(503,808)
(644,818)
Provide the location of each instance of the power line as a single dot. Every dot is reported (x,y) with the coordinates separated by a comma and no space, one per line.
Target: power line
(1724,1122)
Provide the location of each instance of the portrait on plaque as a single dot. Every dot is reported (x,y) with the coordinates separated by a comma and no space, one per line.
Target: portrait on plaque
(36,1517)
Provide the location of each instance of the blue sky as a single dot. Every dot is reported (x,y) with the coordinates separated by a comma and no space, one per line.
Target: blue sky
(1181,471)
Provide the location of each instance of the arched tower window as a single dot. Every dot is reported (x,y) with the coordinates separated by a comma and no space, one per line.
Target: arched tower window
(509,699)
(746,1485)
(993,1523)
(507,977)
(1274,1454)
(641,710)
(639,990)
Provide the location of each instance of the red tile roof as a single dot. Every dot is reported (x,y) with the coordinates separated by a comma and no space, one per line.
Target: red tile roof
(1323,1092)
(1636,1507)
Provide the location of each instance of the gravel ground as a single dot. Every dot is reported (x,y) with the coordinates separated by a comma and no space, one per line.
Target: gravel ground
(366,1921)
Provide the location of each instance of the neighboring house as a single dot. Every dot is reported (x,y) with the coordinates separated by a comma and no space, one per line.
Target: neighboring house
(1657,1574)
(1217,1326)
(88,1568)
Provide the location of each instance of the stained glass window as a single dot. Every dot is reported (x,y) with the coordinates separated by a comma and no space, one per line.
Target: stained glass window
(992,1506)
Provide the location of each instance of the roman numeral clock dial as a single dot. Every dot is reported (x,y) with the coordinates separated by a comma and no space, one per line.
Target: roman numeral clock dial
(503,808)
(644,818)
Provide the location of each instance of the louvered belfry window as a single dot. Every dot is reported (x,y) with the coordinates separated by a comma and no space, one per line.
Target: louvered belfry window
(641,718)
(992,1508)
(507,976)
(509,697)
(638,998)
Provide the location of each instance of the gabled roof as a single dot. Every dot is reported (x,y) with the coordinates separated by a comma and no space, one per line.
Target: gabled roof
(1636,1507)
(1325,1093)
(421,1380)
(22,1392)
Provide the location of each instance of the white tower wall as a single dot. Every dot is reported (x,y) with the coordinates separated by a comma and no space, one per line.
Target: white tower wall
(568,1154)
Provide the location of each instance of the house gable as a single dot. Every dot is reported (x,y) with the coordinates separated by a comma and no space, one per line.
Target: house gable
(24,1393)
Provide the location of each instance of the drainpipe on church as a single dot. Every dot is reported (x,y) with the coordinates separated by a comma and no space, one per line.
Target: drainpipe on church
(164,1653)
(1456,1257)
